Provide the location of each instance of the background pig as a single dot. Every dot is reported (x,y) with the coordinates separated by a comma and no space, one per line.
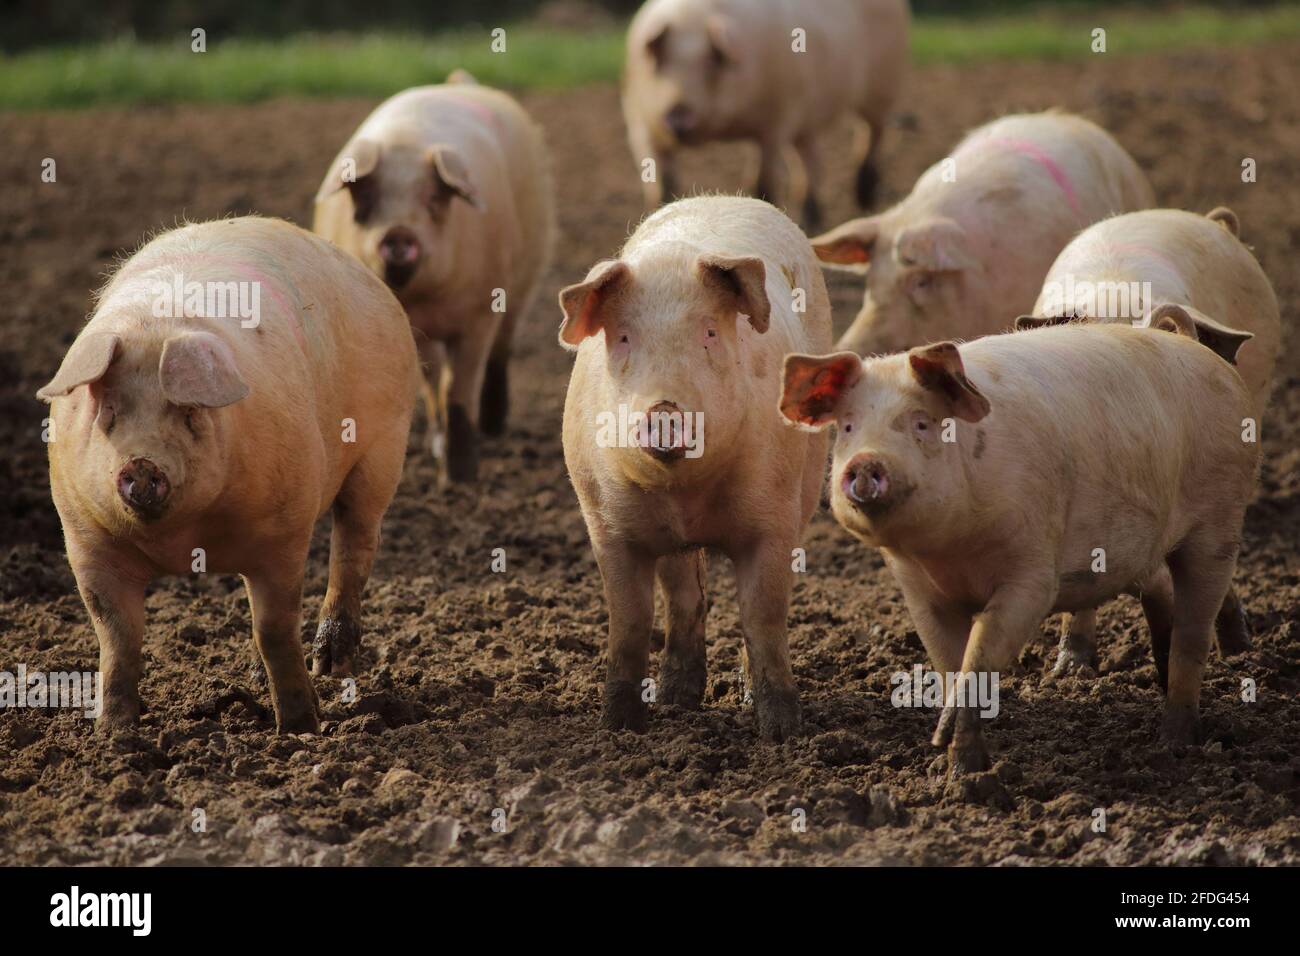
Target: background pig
(980,229)
(450,201)
(1171,266)
(704,70)
(989,532)
(231,435)
(694,317)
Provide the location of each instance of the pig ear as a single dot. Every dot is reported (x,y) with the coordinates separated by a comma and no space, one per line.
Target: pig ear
(450,170)
(814,384)
(197,368)
(358,160)
(1223,341)
(1027,322)
(938,245)
(1226,218)
(938,368)
(585,303)
(741,281)
(87,361)
(849,245)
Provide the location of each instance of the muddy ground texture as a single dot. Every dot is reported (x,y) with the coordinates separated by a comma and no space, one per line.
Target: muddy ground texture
(480,694)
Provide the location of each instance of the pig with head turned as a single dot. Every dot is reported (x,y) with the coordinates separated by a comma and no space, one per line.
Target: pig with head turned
(445,192)
(1174,271)
(674,448)
(967,250)
(774,72)
(975,472)
(237,380)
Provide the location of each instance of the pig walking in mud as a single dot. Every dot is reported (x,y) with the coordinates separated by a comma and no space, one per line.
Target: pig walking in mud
(445,192)
(1181,272)
(192,434)
(967,250)
(975,471)
(775,72)
(682,337)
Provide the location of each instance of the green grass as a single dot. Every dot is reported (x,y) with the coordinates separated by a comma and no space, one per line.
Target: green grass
(238,70)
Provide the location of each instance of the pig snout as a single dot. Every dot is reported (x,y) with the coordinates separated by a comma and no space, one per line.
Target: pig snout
(399,250)
(143,487)
(664,439)
(682,122)
(866,483)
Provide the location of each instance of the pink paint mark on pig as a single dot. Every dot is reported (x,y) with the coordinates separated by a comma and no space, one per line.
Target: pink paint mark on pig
(1040,156)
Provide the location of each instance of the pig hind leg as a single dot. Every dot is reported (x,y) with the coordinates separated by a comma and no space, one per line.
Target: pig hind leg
(357,513)
(682,670)
(275,595)
(764,579)
(868,147)
(1077,653)
(1231,626)
(1202,574)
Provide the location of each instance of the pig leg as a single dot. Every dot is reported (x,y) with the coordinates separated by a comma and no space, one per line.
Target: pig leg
(494,404)
(1202,574)
(682,671)
(812,174)
(1157,597)
(357,513)
(763,582)
(1001,630)
(433,391)
(1231,626)
(628,575)
(276,600)
(868,179)
(468,354)
(116,608)
(771,171)
(659,180)
(1077,653)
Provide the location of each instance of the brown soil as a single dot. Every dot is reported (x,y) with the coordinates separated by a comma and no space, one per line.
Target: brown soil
(481,691)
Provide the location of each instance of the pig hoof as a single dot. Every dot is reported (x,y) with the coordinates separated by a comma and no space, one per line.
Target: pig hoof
(1181,727)
(302,721)
(777,712)
(1233,631)
(968,757)
(335,649)
(1070,662)
(623,707)
(118,716)
(494,404)
(682,684)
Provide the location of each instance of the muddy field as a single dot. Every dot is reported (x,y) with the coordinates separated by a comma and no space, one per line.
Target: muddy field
(480,694)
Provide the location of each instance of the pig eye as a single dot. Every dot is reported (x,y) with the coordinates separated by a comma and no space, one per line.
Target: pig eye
(848,427)
(106,418)
(622,339)
(192,421)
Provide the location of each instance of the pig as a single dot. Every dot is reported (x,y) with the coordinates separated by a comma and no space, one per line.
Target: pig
(974,469)
(969,246)
(189,435)
(688,326)
(1179,272)
(445,191)
(697,71)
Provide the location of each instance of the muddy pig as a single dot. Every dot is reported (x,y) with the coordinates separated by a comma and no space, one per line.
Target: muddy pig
(1180,272)
(968,248)
(445,192)
(775,72)
(237,380)
(685,332)
(975,471)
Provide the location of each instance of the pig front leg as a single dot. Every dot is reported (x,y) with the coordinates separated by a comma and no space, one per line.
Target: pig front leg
(116,608)
(771,171)
(682,670)
(655,167)
(468,355)
(763,583)
(1231,626)
(868,147)
(628,575)
(275,596)
(810,157)
(1007,623)
(1077,653)
(494,404)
